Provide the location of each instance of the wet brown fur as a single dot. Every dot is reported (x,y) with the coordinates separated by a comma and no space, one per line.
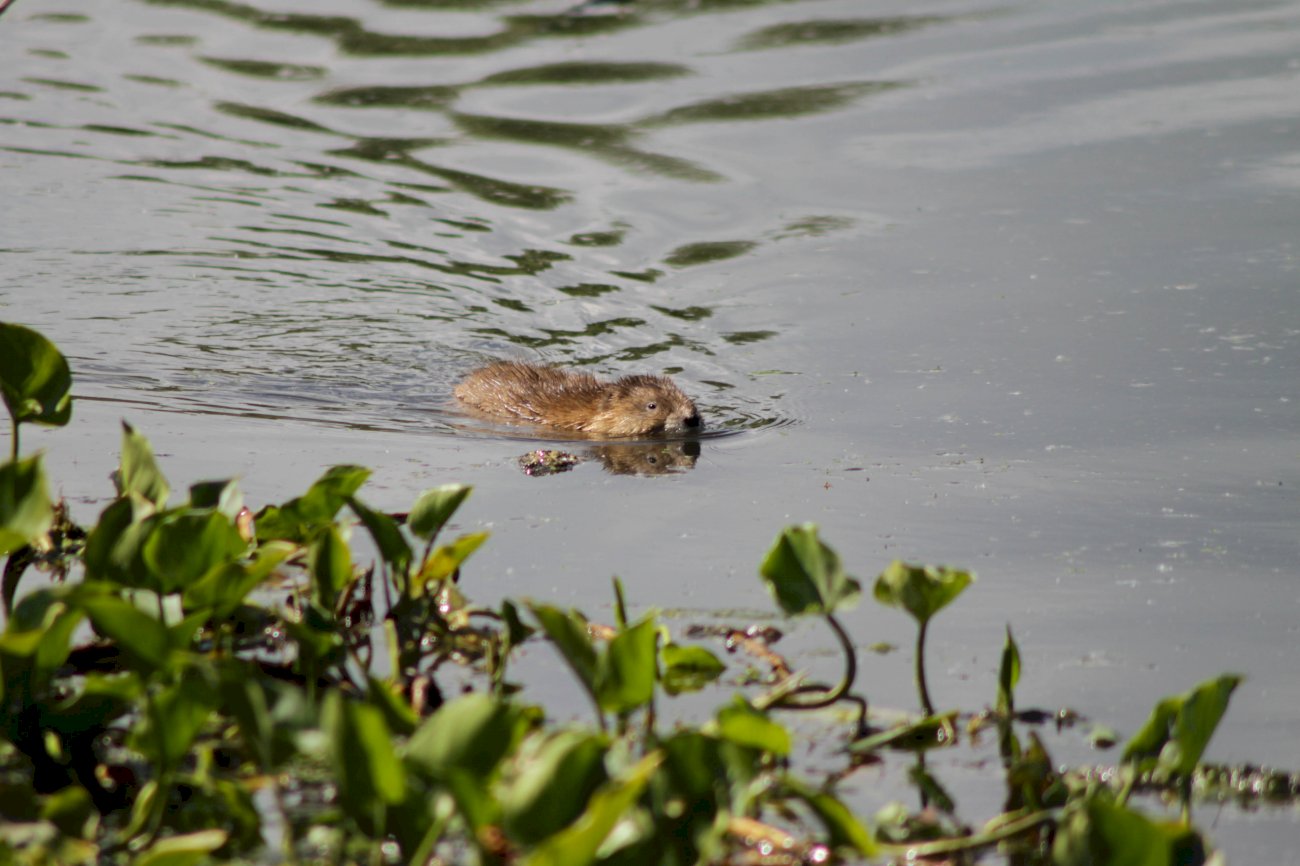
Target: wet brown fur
(578,402)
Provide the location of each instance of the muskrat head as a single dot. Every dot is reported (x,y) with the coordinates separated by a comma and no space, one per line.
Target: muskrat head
(639,405)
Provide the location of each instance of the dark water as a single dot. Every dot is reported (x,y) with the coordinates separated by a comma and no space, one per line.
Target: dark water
(1014,286)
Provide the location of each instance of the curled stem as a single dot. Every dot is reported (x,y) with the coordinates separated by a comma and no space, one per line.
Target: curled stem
(830,696)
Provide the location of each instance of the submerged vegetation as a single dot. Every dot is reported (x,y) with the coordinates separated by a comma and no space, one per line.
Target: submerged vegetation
(199,682)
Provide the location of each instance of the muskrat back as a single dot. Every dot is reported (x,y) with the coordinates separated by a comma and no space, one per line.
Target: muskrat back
(579,402)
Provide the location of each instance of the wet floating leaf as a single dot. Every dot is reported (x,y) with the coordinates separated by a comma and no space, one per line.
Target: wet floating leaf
(269,116)
(815,226)
(649,275)
(705,252)
(688,314)
(740,338)
(432,97)
(593,72)
(65,85)
(833,31)
(587,290)
(266,69)
(598,239)
(767,104)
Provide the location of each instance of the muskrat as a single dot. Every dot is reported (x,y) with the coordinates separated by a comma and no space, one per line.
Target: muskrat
(578,402)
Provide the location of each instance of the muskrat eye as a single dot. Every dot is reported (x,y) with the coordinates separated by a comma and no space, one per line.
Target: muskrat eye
(652,405)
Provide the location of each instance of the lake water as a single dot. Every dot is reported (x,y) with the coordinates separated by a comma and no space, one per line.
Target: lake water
(1013,286)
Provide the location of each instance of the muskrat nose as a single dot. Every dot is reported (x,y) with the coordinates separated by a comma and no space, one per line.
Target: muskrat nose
(692,420)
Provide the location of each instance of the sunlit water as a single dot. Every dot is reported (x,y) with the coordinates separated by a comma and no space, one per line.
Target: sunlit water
(1013,286)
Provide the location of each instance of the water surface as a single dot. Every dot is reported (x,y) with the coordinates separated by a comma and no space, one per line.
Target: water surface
(1012,286)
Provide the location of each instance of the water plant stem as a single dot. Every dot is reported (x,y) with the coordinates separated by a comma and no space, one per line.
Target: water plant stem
(941,847)
(926,704)
(833,695)
(13,445)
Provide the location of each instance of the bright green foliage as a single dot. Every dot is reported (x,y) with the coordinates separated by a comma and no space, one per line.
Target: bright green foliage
(362,749)
(1008,676)
(386,532)
(740,723)
(688,668)
(843,830)
(330,565)
(921,590)
(471,734)
(805,576)
(184,548)
(443,562)
(556,777)
(186,850)
(434,508)
(1180,727)
(25,510)
(299,519)
(1097,830)
(34,379)
(232,681)
(139,473)
(578,844)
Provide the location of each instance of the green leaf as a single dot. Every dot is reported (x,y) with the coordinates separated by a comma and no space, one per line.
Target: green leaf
(688,668)
(175,716)
(626,671)
(139,472)
(224,589)
(472,733)
(392,547)
(805,576)
(25,510)
(329,562)
(843,830)
(434,508)
(921,590)
(185,547)
(303,518)
(34,377)
(223,496)
(184,850)
(362,755)
(1008,676)
(444,561)
(568,631)
(1098,830)
(142,637)
(578,844)
(740,723)
(557,778)
(1180,727)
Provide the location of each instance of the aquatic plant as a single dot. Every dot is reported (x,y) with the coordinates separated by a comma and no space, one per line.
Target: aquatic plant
(206,683)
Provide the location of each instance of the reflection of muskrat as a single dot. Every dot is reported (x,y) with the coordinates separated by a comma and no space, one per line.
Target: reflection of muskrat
(578,402)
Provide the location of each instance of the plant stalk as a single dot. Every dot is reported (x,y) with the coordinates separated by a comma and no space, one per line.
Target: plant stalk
(926,704)
(850,674)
